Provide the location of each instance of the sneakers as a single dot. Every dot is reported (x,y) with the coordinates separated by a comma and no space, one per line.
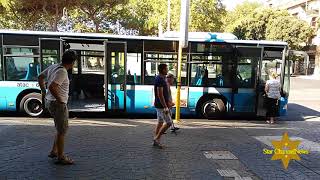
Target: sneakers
(157,145)
(175,129)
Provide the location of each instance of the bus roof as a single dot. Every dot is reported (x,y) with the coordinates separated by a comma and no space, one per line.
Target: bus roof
(103,35)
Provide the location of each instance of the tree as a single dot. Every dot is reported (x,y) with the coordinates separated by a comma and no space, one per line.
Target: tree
(52,11)
(241,12)
(207,15)
(149,17)
(267,24)
(254,25)
(145,16)
(96,11)
(289,29)
(23,12)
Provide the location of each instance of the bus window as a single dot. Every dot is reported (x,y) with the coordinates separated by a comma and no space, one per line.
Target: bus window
(248,59)
(1,72)
(49,57)
(92,62)
(271,63)
(209,70)
(21,63)
(22,68)
(152,60)
(133,68)
(206,74)
(117,74)
(245,73)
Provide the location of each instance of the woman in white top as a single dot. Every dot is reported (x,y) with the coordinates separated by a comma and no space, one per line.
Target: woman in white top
(272,90)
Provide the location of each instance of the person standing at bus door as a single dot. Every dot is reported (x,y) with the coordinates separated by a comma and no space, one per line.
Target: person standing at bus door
(161,104)
(170,82)
(272,90)
(56,102)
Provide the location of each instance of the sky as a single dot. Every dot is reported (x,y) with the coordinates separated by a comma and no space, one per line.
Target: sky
(231,4)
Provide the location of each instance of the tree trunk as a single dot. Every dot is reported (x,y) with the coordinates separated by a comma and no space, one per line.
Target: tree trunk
(317,62)
(55,23)
(97,26)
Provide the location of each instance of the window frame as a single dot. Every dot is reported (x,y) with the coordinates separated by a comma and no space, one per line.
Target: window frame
(255,67)
(164,60)
(2,69)
(228,52)
(20,56)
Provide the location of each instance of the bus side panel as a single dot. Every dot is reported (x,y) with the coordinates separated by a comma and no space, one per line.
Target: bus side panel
(195,93)
(10,90)
(140,99)
(3,102)
(245,100)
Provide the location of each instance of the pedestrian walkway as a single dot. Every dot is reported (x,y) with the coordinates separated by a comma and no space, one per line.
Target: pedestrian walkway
(122,149)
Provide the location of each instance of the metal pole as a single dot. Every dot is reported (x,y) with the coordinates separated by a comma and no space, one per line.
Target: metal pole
(183,43)
(179,83)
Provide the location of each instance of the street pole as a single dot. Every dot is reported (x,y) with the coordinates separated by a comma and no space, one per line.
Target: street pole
(183,43)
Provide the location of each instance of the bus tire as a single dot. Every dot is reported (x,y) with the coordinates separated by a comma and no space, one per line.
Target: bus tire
(212,108)
(31,105)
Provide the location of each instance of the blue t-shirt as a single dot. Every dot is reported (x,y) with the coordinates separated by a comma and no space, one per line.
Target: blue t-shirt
(160,82)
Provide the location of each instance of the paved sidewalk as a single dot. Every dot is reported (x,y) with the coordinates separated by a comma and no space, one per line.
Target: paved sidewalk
(121,149)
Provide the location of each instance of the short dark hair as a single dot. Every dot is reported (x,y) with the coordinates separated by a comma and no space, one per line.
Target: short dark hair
(161,67)
(69,57)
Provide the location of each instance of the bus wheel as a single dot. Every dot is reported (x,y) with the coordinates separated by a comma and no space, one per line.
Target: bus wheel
(212,108)
(31,104)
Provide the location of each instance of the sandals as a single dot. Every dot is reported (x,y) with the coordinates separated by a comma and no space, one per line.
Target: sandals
(52,155)
(64,161)
(157,145)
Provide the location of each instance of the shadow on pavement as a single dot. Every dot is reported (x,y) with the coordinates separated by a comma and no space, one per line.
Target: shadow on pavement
(298,112)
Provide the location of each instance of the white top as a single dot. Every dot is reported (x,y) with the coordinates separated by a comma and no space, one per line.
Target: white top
(58,74)
(274,88)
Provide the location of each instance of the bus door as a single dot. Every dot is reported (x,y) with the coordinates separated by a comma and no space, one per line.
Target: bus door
(271,62)
(248,59)
(115,75)
(51,50)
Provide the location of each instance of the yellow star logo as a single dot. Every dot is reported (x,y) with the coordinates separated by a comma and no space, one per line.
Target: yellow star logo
(285,150)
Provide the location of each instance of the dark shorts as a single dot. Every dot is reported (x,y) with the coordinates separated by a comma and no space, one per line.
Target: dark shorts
(60,114)
(272,107)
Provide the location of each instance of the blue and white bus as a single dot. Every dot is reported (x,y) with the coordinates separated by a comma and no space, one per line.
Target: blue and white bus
(113,73)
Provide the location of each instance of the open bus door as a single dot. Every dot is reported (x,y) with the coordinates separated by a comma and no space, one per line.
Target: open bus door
(51,50)
(115,76)
(273,60)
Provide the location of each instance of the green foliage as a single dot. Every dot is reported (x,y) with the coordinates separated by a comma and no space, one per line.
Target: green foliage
(259,23)
(206,15)
(241,12)
(149,16)
(95,11)
(291,30)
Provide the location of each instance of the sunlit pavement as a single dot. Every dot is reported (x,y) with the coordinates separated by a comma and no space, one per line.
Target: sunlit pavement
(202,149)
(122,149)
